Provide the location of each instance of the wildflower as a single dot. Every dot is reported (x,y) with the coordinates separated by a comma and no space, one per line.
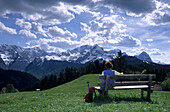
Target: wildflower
(102,95)
(148,107)
(35,107)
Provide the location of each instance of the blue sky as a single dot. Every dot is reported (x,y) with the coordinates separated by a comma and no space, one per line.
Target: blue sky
(55,26)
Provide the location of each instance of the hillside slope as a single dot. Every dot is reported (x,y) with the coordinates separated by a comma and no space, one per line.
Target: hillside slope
(20,80)
(69,97)
(39,68)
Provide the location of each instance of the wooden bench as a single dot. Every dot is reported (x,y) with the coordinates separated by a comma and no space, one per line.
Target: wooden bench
(127,81)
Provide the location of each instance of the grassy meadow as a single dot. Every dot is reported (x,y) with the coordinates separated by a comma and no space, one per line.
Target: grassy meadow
(69,98)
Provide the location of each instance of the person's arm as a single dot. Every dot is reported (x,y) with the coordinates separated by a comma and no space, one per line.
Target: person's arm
(103,73)
(117,73)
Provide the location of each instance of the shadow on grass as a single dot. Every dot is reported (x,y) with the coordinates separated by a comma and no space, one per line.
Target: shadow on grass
(100,100)
(106,100)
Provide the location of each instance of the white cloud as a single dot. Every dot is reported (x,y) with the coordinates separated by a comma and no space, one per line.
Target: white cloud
(54,45)
(3,28)
(27,33)
(162,56)
(133,14)
(106,27)
(149,40)
(22,23)
(77,9)
(37,28)
(123,41)
(160,16)
(134,6)
(127,41)
(46,12)
(58,32)
(56,15)
(31,27)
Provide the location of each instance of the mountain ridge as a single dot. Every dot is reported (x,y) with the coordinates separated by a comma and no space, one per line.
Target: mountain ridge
(144,56)
(13,55)
(35,60)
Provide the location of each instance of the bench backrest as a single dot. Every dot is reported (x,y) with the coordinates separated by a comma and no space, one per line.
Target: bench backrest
(128,80)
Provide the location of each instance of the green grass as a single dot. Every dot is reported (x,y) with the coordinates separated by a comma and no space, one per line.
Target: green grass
(69,98)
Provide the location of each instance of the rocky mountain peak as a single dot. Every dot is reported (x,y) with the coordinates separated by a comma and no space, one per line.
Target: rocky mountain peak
(144,56)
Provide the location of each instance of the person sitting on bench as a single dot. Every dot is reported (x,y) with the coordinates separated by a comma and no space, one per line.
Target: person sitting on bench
(109,71)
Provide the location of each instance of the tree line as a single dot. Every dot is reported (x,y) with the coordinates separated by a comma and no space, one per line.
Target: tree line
(96,67)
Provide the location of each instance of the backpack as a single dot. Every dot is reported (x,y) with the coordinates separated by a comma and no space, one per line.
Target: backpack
(89,96)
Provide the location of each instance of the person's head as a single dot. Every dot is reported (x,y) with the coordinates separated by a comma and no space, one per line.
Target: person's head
(108,65)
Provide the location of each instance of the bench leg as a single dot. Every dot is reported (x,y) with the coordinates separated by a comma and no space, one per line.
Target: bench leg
(149,95)
(141,93)
(100,92)
(106,92)
(103,92)
(149,88)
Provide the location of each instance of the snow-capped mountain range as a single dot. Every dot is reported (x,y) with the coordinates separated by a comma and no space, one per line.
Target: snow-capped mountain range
(85,54)
(17,58)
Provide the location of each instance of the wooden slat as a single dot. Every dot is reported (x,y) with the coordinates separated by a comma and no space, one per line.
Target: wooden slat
(126,83)
(130,77)
(98,88)
(131,87)
(126,87)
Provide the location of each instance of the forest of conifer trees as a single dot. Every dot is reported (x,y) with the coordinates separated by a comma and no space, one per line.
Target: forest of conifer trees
(96,67)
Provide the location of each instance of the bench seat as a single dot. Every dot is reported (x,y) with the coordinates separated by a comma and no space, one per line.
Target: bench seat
(125,87)
(127,81)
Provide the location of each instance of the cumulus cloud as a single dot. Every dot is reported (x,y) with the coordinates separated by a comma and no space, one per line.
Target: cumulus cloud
(102,31)
(160,16)
(53,12)
(149,40)
(125,41)
(47,12)
(108,31)
(58,32)
(166,1)
(37,28)
(22,23)
(27,33)
(55,45)
(4,28)
(56,15)
(31,26)
(134,6)
(106,27)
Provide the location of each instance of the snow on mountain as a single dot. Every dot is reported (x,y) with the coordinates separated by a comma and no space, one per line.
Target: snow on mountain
(86,54)
(144,56)
(9,53)
(17,58)
(2,64)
